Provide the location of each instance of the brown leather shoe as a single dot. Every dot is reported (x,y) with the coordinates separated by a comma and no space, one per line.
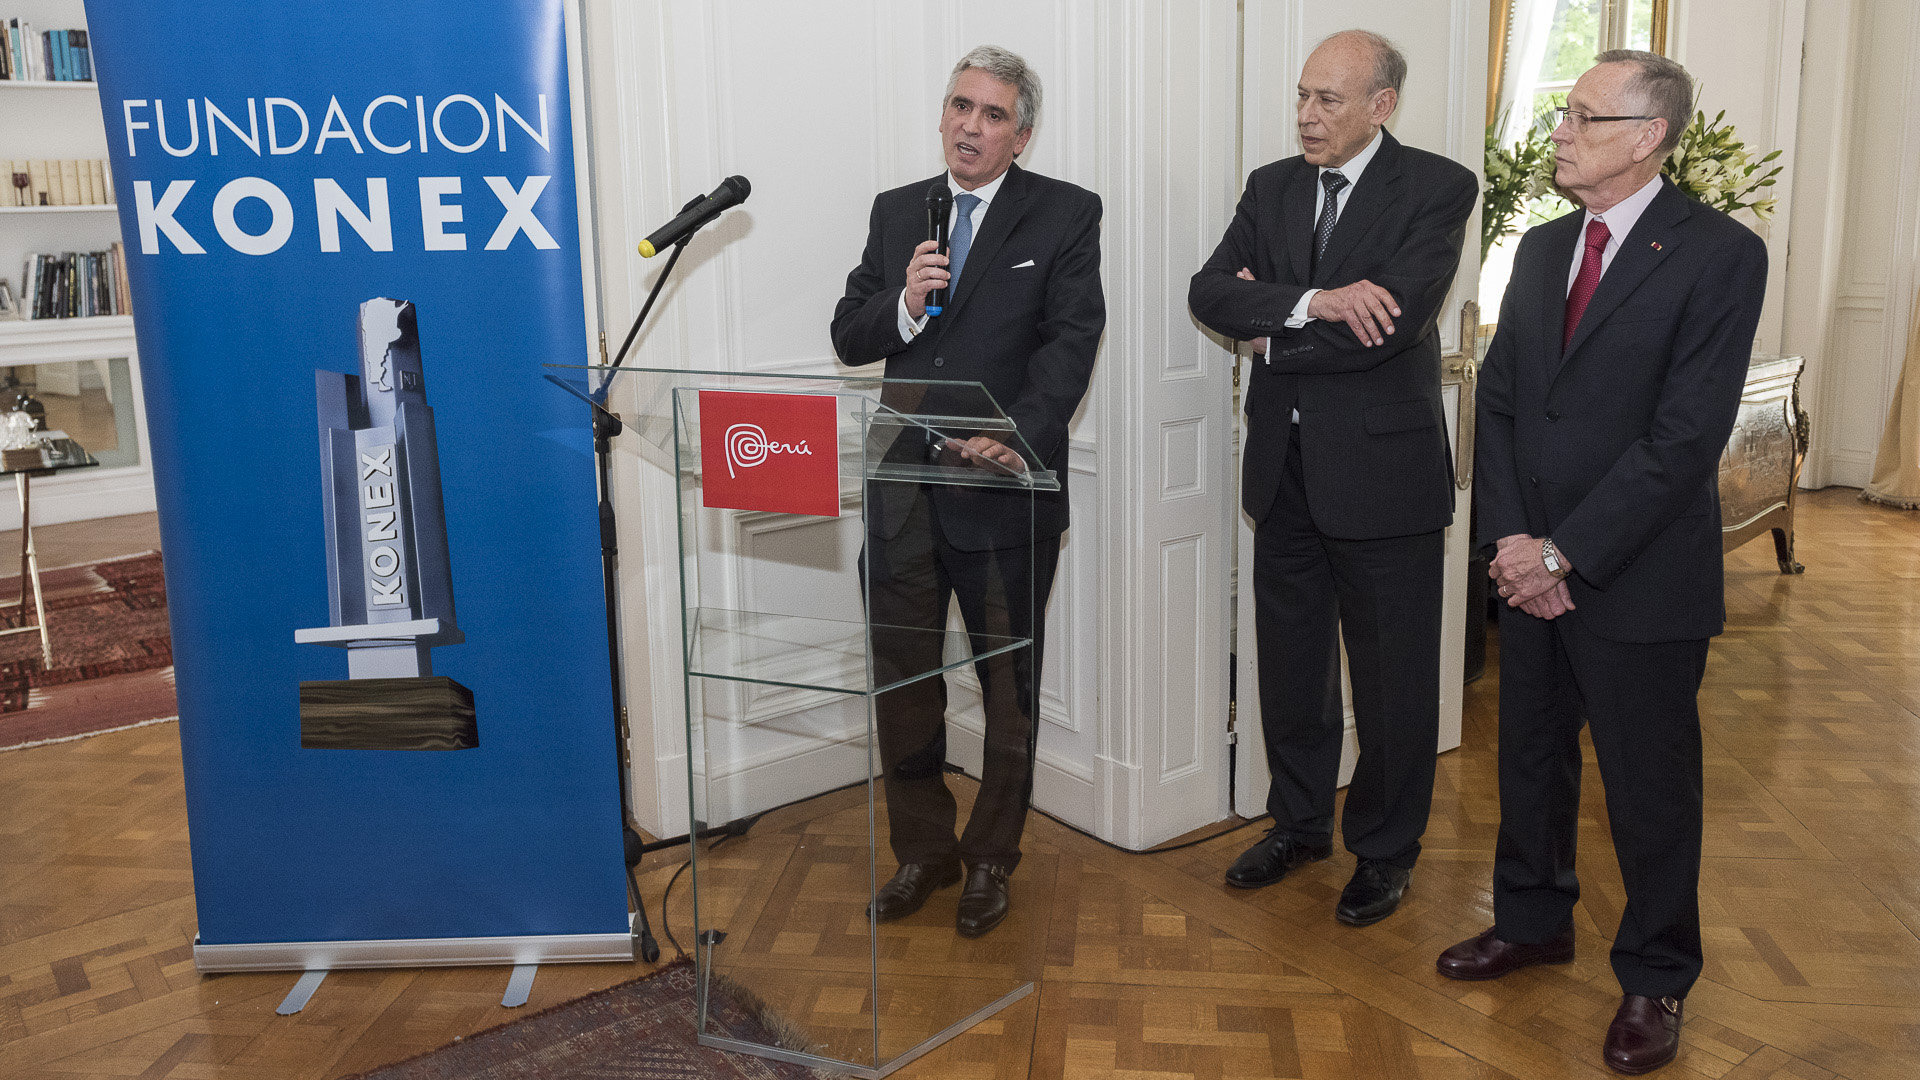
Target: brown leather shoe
(909,887)
(1645,1034)
(1487,957)
(983,903)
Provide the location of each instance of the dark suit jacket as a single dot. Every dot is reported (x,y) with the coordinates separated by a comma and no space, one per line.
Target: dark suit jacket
(1613,447)
(1373,439)
(1028,332)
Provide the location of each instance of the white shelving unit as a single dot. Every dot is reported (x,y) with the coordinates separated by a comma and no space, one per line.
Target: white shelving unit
(56,120)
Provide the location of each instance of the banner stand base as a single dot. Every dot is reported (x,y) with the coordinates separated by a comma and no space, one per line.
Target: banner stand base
(415,952)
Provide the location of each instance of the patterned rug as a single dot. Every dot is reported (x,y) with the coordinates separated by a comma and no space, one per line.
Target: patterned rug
(112,653)
(639,1030)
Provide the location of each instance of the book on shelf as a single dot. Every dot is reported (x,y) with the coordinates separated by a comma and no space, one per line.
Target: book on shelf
(74,285)
(43,56)
(57,183)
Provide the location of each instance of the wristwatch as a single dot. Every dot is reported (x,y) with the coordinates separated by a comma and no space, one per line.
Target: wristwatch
(1551,556)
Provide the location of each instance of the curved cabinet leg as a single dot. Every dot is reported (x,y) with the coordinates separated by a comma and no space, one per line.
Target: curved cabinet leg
(1783,549)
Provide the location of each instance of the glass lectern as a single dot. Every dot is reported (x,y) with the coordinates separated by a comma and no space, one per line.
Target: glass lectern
(815,516)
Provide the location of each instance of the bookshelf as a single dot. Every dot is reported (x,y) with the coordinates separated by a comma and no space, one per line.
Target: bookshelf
(95,356)
(93,209)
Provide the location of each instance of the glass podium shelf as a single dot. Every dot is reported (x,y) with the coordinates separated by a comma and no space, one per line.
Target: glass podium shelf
(816,654)
(873,423)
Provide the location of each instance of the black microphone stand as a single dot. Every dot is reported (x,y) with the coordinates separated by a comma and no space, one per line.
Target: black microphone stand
(606,425)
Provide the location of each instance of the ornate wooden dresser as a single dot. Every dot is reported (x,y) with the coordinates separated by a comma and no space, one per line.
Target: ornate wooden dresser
(1761,466)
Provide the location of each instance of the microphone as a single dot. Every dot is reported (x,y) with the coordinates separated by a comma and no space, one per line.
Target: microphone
(732,192)
(939,201)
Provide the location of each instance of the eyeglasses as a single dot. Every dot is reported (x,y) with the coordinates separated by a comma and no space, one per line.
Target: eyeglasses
(1578,120)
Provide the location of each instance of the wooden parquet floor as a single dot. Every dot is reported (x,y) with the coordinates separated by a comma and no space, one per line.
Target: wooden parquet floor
(1148,968)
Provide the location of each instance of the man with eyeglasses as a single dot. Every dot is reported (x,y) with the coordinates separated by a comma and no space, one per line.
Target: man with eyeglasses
(1606,401)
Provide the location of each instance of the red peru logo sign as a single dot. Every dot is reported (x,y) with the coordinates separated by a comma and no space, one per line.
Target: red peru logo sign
(774,452)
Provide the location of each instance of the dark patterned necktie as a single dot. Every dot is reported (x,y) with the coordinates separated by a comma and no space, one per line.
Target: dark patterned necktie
(1587,282)
(1329,212)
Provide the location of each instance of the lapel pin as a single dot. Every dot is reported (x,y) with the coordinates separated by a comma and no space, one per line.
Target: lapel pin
(1656,245)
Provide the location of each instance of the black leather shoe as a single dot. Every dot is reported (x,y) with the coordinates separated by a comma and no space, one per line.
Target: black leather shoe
(1373,893)
(1645,1034)
(983,903)
(909,888)
(1487,957)
(1269,859)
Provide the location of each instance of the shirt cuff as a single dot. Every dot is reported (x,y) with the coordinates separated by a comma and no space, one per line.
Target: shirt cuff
(1295,321)
(909,327)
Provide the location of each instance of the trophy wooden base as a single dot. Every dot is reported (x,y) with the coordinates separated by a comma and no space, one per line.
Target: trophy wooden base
(430,712)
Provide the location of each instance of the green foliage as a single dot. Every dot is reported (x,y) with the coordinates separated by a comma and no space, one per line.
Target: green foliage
(1519,181)
(1712,165)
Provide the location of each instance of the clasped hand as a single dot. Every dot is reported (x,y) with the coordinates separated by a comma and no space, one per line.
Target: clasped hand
(1521,574)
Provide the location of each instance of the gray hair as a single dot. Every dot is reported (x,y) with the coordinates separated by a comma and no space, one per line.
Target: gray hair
(1664,89)
(1009,68)
(1389,66)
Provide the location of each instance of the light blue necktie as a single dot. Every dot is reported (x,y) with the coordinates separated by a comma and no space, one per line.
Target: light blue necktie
(961,241)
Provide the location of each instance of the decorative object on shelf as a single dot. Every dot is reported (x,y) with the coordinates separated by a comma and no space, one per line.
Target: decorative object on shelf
(1760,470)
(27,403)
(68,182)
(16,432)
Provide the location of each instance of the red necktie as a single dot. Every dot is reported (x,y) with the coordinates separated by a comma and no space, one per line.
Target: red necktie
(1587,282)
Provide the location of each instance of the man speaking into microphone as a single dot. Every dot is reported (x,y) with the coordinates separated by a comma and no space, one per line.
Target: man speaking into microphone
(1020,310)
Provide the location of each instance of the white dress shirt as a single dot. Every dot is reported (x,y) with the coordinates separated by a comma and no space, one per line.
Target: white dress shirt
(910,327)
(1620,219)
(1351,170)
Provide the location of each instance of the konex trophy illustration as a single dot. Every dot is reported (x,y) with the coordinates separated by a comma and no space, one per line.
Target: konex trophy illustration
(389,580)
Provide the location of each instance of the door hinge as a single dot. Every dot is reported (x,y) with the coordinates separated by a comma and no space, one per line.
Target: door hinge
(603,348)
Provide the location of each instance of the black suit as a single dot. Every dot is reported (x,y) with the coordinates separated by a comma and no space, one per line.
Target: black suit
(1024,320)
(1612,447)
(1349,505)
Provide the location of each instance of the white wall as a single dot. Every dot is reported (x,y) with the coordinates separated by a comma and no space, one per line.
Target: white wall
(1855,226)
(1744,56)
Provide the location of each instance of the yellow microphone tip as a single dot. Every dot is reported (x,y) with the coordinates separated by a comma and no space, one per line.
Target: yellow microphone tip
(646,249)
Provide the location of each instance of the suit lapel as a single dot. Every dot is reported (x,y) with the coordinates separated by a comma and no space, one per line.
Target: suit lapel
(1377,189)
(1003,214)
(1562,237)
(1295,224)
(1642,251)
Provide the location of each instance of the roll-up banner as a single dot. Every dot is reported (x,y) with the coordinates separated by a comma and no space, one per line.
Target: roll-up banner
(352,241)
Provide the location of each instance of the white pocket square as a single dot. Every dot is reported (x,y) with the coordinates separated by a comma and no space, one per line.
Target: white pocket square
(1018,266)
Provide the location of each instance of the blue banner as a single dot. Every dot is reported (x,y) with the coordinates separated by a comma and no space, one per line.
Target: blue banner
(352,240)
